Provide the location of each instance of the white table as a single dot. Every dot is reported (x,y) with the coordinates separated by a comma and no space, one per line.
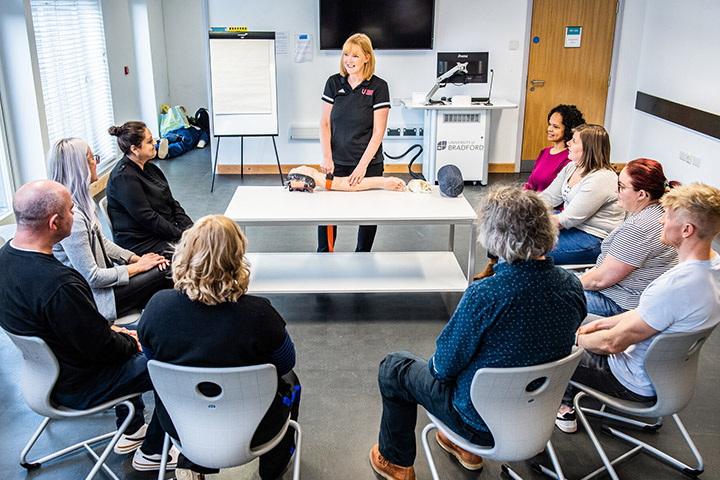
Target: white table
(457,135)
(345,272)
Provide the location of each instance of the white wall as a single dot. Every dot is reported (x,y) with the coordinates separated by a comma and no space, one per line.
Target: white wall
(483,25)
(19,95)
(185,50)
(671,50)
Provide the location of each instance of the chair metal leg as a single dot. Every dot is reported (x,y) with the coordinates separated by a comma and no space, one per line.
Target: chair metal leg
(628,421)
(298,445)
(164,457)
(101,461)
(426,447)
(640,445)
(595,441)
(557,474)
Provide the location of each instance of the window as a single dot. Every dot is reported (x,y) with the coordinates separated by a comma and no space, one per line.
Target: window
(5,176)
(72,59)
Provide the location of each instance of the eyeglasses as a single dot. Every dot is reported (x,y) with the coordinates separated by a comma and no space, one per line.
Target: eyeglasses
(96,158)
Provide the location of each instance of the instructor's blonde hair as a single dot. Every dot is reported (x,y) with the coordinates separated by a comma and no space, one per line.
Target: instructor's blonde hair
(361,42)
(209,264)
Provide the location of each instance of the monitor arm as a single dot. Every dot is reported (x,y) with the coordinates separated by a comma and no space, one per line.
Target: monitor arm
(459,68)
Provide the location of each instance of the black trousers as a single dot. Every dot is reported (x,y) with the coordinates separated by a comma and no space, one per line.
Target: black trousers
(366,233)
(137,292)
(594,371)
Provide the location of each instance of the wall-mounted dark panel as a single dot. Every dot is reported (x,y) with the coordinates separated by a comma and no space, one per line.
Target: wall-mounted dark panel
(692,118)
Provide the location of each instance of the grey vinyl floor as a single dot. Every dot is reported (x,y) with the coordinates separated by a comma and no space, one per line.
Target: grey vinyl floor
(340,340)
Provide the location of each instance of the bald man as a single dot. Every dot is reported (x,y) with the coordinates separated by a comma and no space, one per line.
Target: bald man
(41,297)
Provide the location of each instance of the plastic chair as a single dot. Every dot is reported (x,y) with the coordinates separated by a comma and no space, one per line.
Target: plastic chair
(7,232)
(519,414)
(216,431)
(671,364)
(39,373)
(105,216)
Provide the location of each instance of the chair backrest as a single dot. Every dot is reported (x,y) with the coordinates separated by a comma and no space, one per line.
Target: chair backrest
(671,363)
(215,431)
(40,370)
(519,405)
(105,216)
(7,232)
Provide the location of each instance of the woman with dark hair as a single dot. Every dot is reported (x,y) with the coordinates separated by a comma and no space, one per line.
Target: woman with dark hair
(120,280)
(144,214)
(209,320)
(632,255)
(561,122)
(587,189)
(355,106)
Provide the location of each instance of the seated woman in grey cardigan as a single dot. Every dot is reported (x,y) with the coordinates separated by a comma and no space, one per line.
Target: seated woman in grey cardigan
(120,280)
(587,189)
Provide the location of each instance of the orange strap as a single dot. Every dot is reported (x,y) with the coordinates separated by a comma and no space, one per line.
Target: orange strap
(328,184)
(330,237)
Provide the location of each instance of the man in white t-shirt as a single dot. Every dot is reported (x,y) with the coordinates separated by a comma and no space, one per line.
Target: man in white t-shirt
(686,298)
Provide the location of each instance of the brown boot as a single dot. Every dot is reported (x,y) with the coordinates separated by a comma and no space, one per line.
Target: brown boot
(468,460)
(489,270)
(388,470)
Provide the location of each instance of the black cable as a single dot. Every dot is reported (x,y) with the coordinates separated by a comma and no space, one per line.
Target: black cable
(420,151)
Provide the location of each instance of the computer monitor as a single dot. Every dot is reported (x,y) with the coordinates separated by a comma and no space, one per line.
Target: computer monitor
(477,66)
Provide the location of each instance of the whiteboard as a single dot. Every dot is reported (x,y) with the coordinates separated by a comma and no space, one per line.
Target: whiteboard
(243,83)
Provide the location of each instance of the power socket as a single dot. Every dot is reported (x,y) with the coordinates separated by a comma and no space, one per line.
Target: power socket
(393,132)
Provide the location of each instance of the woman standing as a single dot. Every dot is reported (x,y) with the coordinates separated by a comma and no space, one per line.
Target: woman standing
(354,116)
(587,187)
(632,256)
(120,280)
(561,122)
(144,214)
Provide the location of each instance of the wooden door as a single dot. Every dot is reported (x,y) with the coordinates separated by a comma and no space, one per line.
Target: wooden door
(575,76)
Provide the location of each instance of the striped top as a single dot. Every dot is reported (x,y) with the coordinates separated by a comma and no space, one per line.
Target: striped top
(636,242)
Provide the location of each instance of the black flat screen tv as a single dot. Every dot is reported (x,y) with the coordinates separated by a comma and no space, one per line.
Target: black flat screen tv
(390,24)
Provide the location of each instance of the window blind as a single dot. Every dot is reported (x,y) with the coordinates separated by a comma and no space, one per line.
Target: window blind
(72,59)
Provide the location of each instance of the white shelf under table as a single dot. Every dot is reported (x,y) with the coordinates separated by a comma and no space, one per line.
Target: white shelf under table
(353,272)
(350,272)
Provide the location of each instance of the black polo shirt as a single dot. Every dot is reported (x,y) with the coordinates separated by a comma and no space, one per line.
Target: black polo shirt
(351,119)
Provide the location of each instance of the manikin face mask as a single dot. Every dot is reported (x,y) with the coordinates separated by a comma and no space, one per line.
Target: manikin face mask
(298,181)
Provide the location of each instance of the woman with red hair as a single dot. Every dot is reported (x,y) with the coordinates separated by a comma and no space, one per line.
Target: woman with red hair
(631,256)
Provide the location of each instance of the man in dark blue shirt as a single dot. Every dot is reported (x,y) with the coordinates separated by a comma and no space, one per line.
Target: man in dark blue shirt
(526,314)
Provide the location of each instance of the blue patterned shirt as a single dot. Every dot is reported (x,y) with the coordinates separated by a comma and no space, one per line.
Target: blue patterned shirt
(526,314)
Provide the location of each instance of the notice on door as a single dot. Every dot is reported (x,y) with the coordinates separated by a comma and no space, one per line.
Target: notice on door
(572,37)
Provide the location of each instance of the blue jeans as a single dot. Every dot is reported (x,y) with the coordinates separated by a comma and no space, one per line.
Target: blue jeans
(405,382)
(599,304)
(118,381)
(575,246)
(183,140)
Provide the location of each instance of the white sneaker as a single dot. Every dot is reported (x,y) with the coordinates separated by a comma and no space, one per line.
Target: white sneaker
(185,474)
(162,151)
(201,144)
(146,463)
(128,443)
(567,422)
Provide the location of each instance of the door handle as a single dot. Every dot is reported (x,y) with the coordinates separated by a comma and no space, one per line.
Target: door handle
(537,82)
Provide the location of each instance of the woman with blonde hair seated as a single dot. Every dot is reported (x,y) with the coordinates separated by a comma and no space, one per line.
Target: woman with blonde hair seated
(120,280)
(209,320)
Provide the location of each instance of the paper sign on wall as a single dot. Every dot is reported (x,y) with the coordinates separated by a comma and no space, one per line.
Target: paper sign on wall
(572,37)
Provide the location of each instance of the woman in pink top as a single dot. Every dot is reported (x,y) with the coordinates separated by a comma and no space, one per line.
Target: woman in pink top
(561,121)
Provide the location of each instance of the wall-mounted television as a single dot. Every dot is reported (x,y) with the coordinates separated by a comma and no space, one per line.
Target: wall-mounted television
(477,66)
(390,24)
